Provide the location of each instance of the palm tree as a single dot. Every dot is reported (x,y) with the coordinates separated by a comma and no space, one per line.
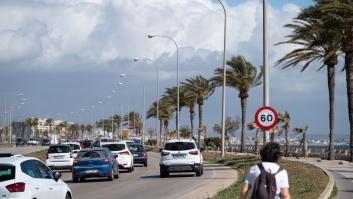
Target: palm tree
(82,128)
(242,76)
(117,119)
(64,125)
(170,95)
(190,101)
(252,125)
(316,44)
(152,112)
(166,110)
(201,88)
(49,122)
(33,123)
(185,132)
(89,128)
(284,118)
(304,140)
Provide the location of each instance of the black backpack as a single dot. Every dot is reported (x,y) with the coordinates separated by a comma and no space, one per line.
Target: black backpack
(265,184)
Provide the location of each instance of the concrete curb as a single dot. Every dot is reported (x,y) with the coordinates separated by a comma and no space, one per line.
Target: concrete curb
(331,181)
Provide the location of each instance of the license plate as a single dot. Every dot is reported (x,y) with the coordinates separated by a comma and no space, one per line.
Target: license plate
(135,155)
(58,157)
(91,171)
(178,156)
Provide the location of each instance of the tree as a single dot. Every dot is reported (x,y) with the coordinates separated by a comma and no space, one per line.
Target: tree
(242,76)
(166,114)
(304,140)
(152,112)
(284,119)
(118,119)
(185,132)
(316,43)
(49,122)
(190,101)
(201,88)
(230,127)
(89,128)
(82,128)
(251,126)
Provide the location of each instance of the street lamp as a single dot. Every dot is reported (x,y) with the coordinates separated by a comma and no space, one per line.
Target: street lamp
(177,63)
(266,89)
(224,80)
(157,95)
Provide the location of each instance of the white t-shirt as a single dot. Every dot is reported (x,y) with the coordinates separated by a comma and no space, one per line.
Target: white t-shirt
(281,177)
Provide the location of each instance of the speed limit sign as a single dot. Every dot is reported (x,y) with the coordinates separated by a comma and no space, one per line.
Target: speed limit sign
(266,118)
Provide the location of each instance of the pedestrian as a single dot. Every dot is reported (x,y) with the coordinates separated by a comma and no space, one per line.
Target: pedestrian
(267,179)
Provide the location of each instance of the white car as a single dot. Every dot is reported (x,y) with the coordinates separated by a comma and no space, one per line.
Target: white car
(28,178)
(33,142)
(59,157)
(125,158)
(75,147)
(180,155)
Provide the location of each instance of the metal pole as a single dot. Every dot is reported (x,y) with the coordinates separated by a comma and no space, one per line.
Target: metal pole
(224,80)
(266,100)
(157,121)
(144,115)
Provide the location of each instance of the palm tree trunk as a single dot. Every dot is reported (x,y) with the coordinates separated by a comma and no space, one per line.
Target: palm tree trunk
(200,125)
(192,116)
(349,81)
(243,102)
(286,152)
(257,141)
(305,144)
(331,91)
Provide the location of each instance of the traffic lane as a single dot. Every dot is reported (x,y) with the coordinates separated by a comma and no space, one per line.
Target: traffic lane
(22,149)
(145,183)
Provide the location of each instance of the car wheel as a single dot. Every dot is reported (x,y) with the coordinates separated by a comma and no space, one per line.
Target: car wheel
(111,177)
(68,196)
(129,170)
(145,164)
(74,179)
(199,171)
(163,172)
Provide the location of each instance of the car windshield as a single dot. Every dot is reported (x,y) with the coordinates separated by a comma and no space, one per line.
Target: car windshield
(74,146)
(179,146)
(7,172)
(91,154)
(136,148)
(114,147)
(59,149)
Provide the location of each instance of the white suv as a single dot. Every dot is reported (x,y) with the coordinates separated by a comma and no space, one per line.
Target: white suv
(27,178)
(124,156)
(180,156)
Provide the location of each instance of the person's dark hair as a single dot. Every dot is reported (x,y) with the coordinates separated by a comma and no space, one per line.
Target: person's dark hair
(271,152)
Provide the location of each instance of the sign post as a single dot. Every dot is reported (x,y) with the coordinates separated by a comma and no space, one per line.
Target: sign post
(266,118)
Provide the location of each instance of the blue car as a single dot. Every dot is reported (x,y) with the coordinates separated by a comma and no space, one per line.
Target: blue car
(94,162)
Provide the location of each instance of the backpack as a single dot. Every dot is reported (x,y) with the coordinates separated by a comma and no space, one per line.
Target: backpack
(265,184)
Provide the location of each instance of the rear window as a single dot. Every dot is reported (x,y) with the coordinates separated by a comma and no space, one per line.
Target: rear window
(136,148)
(74,146)
(179,146)
(59,149)
(114,147)
(106,140)
(7,172)
(91,154)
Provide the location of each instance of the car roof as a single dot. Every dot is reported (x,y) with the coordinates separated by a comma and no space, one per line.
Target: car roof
(106,143)
(181,140)
(15,159)
(56,145)
(71,143)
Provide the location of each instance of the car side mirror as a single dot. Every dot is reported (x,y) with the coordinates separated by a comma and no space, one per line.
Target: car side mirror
(115,156)
(57,175)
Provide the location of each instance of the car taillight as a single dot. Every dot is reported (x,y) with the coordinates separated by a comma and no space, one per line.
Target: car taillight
(194,152)
(74,163)
(164,153)
(106,160)
(144,154)
(17,187)
(47,155)
(124,153)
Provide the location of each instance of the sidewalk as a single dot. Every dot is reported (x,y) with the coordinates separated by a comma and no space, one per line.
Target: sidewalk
(342,172)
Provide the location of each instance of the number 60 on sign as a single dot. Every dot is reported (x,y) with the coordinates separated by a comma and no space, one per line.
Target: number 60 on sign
(266,118)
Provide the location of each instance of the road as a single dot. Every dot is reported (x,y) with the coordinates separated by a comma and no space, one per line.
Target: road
(21,150)
(144,183)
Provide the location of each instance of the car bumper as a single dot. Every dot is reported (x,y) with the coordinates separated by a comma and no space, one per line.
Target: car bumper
(59,165)
(124,162)
(140,160)
(181,167)
(91,172)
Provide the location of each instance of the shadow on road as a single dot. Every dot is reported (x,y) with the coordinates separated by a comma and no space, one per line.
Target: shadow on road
(90,180)
(170,176)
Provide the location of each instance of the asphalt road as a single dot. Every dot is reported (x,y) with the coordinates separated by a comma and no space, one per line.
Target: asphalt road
(21,150)
(144,183)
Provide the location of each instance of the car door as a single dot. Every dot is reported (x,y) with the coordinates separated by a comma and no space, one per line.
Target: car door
(38,186)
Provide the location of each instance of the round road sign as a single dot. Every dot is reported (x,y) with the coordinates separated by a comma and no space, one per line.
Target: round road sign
(266,118)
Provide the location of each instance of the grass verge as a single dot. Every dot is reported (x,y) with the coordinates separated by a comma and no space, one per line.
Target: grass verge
(334,192)
(42,154)
(306,181)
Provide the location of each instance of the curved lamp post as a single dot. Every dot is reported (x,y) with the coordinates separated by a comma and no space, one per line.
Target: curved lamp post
(177,63)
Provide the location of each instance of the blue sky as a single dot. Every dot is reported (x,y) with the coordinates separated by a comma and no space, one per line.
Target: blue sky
(66,62)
